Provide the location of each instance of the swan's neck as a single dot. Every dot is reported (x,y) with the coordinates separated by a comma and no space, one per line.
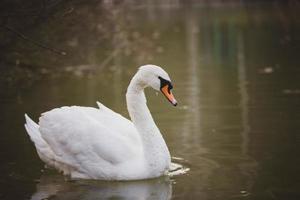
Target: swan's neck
(155,149)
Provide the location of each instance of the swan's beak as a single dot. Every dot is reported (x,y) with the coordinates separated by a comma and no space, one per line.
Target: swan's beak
(168,94)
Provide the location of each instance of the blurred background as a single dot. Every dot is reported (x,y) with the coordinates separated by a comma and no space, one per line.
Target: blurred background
(235,67)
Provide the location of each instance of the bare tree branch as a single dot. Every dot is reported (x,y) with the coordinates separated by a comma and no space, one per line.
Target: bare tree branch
(39,44)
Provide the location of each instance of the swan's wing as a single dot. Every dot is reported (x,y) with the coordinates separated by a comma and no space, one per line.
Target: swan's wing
(118,122)
(88,138)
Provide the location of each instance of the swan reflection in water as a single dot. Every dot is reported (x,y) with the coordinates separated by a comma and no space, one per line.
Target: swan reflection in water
(56,187)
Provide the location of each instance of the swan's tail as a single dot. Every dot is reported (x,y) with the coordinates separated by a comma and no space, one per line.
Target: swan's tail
(32,129)
(42,148)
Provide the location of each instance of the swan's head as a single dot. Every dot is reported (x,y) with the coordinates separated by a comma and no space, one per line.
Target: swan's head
(157,78)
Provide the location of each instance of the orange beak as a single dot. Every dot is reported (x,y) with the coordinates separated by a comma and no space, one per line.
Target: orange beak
(168,94)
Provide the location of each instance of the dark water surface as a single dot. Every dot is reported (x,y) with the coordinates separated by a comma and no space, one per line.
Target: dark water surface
(236,75)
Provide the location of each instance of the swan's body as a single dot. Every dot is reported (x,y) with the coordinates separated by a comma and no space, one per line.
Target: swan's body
(91,143)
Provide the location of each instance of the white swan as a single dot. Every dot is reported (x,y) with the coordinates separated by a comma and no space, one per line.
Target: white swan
(90,143)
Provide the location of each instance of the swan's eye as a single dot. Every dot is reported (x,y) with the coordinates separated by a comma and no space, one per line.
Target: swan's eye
(164,82)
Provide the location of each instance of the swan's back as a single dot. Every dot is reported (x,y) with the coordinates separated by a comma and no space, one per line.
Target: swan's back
(78,117)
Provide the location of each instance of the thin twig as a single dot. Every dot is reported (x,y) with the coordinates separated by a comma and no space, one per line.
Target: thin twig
(109,58)
(39,44)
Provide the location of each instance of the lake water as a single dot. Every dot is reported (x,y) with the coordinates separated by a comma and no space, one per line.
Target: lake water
(235,71)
